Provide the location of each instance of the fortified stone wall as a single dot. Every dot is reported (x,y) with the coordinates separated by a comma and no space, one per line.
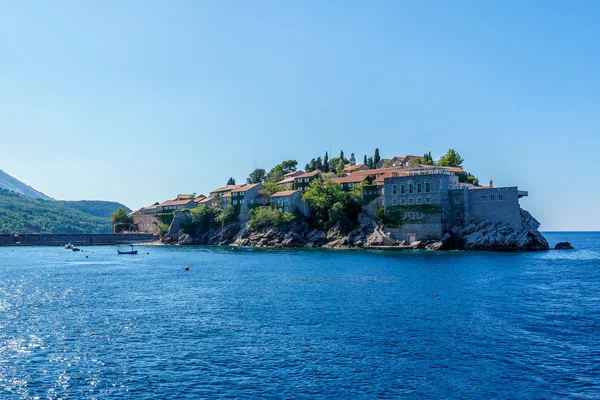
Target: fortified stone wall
(147,223)
(460,212)
(41,239)
(486,204)
(431,189)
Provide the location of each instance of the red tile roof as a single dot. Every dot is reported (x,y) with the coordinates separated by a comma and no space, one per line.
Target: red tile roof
(290,179)
(245,188)
(175,202)
(350,179)
(374,171)
(284,193)
(294,173)
(199,198)
(308,174)
(227,188)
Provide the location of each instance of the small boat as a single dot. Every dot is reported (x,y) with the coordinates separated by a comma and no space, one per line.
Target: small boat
(132,251)
(75,249)
(69,246)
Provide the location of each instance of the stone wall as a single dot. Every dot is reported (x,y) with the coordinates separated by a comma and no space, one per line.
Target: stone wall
(147,223)
(42,239)
(506,211)
(433,189)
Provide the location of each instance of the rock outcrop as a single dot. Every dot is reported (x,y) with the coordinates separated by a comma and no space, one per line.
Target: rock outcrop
(563,246)
(486,235)
(478,235)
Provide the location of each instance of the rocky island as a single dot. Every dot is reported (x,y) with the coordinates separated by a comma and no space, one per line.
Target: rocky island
(400,203)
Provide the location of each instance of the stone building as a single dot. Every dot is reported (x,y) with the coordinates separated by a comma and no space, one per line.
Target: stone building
(247,197)
(290,201)
(426,203)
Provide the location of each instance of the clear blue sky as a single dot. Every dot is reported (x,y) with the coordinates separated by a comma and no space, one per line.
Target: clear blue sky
(137,101)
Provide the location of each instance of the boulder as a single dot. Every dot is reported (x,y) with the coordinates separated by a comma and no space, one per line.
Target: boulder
(185,239)
(563,246)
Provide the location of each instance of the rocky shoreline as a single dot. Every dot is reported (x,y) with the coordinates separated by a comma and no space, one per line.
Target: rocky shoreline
(480,235)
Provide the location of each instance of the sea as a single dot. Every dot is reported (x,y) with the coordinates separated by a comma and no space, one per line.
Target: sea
(300,324)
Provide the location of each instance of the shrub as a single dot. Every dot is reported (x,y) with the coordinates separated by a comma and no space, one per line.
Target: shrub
(265,217)
(162,229)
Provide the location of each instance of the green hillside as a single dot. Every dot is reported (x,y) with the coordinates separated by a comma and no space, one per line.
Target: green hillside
(22,214)
(97,208)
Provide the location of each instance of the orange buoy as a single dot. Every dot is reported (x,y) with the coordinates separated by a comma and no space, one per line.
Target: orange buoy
(187,268)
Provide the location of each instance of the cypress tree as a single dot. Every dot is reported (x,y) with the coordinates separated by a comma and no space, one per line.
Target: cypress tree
(326,163)
(341,154)
(376,158)
(365,161)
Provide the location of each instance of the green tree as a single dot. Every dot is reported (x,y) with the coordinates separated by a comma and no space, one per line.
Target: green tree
(334,163)
(121,221)
(451,159)
(332,205)
(257,176)
(271,188)
(326,162)
(339,171)
(319,164)
(277,172)
(370,163)
(365,161)
(342,154)
(426,160)
(376,158)
(231,181)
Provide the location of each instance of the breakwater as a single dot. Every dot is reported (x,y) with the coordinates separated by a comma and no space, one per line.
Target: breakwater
(44,239)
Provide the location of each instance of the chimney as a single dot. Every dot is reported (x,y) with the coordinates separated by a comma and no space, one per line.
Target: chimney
(491,183)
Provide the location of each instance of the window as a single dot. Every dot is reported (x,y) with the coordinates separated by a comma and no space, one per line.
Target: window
(306,180)
(395,202)
(484,198)
(500,197)
(411,215)
(351,185)
(403,201)
(235,202)
(242,201)
(419,188)
(280,202)
(427,187)
(402,189)
(419,201)
(427,200)
(394,189)
(411,201)
(492,197)
(411,188)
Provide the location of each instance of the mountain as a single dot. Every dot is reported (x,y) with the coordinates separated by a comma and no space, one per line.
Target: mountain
(19,213)
(97,208)
(26,210)
(11,184)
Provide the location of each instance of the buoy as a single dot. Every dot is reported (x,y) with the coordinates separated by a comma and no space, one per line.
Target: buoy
(187,268)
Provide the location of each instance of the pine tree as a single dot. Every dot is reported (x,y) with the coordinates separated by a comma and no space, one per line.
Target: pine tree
(319,164)
(231,181)
(376,158)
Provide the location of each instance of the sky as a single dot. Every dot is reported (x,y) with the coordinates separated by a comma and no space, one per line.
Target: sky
(137,101)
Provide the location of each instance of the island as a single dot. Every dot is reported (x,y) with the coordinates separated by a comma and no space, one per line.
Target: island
(406,202)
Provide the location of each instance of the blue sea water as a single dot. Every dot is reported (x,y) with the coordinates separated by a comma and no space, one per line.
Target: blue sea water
(300,323)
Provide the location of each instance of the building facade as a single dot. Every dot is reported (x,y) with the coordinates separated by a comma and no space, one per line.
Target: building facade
(430,203)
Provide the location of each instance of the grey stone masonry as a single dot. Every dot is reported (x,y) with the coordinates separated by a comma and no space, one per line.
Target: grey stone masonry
(452,204)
